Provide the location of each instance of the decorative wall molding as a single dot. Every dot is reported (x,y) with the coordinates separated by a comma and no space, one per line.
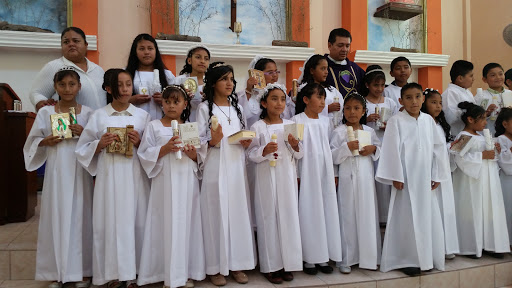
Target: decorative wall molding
(418,60)
(237,52)
(37,41)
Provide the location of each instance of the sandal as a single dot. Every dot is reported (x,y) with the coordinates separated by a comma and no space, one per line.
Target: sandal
(131,284)
(240,277)
(114,284)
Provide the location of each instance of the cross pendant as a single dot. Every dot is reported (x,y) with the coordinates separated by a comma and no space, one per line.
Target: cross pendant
(229,121)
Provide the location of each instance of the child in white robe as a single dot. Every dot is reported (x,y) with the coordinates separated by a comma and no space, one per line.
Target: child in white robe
(121,188)
(64,243)
(315,70)
(433,105)
(504,134)
(414,238)
(400,70)
(318,211)
(143,61)
(225,208)
(357,202)
(461,75)
(173,240)
(491,98)
(275,193)
(481,220)
(374,82)
(196,63)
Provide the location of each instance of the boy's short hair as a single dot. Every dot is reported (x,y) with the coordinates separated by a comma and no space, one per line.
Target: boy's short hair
(409,86)
(339,32)
(398,59)
(460,68)
(488,68)
(508,75)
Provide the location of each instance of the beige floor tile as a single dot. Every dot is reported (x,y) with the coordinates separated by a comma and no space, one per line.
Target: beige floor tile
(503,274)
(338,278)
(26,240)
(4,265)
(440,280)
(23,265)
(481,277)
(372,284)
(377,275)
(9,232)
(409,282)
(24,284)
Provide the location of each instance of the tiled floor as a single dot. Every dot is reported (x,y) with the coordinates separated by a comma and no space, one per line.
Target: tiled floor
(17,263)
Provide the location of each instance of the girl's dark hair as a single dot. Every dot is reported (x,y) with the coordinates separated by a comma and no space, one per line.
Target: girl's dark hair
(74,29)
(505,115)
(174,92)
(369,77)
(264,112)
(311,64)
(65,72)
(187,68)
(471,110)
(107,81)
(440,118)
(262,63)
(215,71)
(307,91)
(113,80)
(358,97)
(133,60)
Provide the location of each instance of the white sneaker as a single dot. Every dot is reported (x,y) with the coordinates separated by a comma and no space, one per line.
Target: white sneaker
(449,256)
(345,269)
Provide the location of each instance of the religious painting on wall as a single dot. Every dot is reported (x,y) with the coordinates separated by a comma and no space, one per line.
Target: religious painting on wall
(262,20)
(386,32)
(50,15)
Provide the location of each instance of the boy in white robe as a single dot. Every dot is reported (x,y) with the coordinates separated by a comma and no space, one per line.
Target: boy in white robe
(414,239)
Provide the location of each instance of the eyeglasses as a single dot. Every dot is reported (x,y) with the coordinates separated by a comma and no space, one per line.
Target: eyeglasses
(272,73)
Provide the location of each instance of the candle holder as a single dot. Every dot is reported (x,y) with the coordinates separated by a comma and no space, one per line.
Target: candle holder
(238,29)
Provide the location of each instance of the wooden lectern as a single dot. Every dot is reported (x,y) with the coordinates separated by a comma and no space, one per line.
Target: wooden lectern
(18,193)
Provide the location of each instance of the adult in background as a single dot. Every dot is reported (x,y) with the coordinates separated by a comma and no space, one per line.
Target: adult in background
(74,49)
(343,74)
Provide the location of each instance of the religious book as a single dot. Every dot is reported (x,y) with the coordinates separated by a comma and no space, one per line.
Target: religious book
(463,144)
(191,84)
(364,138)
(121,144)
(189,134)
(296,129)
(507,98)
(60,125)
(235,138)
(260,76)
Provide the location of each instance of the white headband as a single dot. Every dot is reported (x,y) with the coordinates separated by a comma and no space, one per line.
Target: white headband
(374,70)
(255,60)
(301,77)
(198,46)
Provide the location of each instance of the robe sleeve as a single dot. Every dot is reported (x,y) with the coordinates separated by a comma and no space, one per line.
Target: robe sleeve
(35,155)
(86,146)
(390,164)
(470,164)
(171,79)
(242,99)
(339,148)
(255,150)
(450,101)
(42,87)
(439,171)
(148,153)
(505,157)
(289,110)
(295,154)
(203,125)
(377,143)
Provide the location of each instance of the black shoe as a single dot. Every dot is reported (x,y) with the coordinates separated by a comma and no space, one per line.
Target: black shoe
(287,276)
(411,271)
(324,269)
(495,255)
(310,271)
(473,256)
